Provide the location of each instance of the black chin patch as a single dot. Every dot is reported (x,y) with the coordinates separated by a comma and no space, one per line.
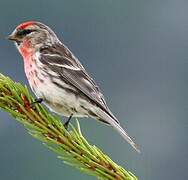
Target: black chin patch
(18,43)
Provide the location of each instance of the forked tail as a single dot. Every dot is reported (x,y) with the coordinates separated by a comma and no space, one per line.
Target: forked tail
(118,128)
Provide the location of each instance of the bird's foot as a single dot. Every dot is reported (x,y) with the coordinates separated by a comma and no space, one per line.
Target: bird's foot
(37,101)
(66,124)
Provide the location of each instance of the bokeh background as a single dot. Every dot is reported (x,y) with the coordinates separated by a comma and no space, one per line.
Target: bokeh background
(137,51)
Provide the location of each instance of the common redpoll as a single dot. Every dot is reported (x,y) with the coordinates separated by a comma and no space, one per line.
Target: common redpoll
(59,79)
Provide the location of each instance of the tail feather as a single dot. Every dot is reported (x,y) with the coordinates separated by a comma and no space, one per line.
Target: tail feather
(118,128)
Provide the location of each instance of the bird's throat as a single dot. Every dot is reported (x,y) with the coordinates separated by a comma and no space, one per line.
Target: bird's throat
(26,51)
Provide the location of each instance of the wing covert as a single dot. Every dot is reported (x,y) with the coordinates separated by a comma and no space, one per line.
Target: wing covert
(71,71)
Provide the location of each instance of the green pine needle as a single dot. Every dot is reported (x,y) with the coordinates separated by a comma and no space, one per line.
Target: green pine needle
(70,146)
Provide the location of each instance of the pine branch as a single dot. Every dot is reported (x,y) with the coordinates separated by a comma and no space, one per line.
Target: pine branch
(70,146)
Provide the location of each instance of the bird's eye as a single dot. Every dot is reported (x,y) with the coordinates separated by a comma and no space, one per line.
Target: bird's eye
(24,32)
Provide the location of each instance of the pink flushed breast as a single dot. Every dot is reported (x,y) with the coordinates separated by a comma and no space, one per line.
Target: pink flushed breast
(32,75)
(30,67)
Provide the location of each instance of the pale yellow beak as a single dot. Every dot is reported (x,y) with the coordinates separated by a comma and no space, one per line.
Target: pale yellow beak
(12,37)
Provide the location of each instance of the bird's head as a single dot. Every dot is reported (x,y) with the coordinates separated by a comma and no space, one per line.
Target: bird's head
(33,35)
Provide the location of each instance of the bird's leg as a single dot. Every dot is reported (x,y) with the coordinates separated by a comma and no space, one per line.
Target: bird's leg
(67,122)
(37,101)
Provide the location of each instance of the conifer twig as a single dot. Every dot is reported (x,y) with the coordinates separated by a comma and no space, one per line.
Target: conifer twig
(70,146)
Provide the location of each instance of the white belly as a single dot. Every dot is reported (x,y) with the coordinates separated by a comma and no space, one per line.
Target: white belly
(62,102)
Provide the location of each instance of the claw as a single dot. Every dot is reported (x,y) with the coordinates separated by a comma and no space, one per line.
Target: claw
(66,124)
(37,101)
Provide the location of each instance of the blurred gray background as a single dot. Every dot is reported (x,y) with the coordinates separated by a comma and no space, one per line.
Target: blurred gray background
(137,51)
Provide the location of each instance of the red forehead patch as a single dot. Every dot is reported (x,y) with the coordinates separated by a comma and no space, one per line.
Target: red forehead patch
(25,24)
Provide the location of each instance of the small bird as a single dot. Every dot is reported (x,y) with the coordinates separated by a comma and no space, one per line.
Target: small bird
(58,79)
